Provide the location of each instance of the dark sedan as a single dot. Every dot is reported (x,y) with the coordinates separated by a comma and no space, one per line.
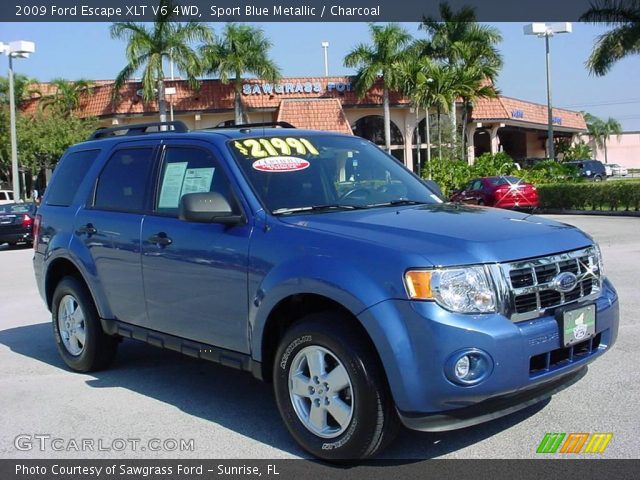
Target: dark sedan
(501,192)
(16,223)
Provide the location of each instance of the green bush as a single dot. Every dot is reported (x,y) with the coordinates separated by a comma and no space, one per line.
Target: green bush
(609,195)
(549,171)
(450,175)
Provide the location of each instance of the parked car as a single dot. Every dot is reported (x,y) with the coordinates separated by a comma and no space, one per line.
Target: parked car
(607,169)
(498,191)
(16,223)
(6,197)
(618,170)
(590,169)
(320,264)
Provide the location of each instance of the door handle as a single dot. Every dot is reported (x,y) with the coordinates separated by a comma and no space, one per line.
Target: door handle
(160,239)
(89,229)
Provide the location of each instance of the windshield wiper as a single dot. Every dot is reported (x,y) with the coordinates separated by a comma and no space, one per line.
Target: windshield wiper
(317,208)
(395,203)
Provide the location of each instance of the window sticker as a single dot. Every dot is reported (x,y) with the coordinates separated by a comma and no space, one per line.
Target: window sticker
(253,148)
(280,164)
(197,180)
(172,184)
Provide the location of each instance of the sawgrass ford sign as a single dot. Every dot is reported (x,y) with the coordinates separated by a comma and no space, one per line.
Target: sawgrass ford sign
(293,88)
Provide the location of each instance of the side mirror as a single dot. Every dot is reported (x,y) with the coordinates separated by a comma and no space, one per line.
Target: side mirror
(207,207)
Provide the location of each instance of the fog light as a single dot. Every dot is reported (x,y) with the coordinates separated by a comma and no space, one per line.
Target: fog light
(468,367)
(462,367)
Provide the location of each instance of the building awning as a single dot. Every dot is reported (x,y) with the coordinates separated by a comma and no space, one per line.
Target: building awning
(314,114)
(521,113)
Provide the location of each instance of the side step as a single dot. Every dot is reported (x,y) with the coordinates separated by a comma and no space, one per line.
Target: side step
(228,358)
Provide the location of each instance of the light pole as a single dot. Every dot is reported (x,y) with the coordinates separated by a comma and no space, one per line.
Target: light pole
(325,47)
(17,49)
(547,30)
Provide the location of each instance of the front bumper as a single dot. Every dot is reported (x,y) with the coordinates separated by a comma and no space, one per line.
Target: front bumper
(489,409)
(416,339)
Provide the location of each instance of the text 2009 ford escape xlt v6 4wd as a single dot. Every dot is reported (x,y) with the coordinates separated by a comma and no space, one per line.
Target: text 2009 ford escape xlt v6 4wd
(317,262)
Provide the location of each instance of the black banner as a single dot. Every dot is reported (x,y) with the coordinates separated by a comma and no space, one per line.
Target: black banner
(566,469)
(285,10)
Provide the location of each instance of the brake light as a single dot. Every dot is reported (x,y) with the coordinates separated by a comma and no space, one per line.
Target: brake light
(36,231)
(27,221)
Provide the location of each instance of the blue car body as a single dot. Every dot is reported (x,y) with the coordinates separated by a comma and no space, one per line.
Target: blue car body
(355,259)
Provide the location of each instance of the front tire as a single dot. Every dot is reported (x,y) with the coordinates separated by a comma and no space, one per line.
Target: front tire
(77,331)
(331,390)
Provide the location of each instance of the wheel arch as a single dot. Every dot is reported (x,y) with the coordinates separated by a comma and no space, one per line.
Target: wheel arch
(292,309)
(56,271)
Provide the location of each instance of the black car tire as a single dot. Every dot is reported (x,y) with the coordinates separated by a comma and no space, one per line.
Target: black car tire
(99,348)
(597,178)
(374,421)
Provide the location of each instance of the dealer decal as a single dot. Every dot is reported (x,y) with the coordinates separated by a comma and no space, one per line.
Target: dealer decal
(280,164)
(275,146)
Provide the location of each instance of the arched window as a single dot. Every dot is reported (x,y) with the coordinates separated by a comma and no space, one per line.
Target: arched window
(371,127)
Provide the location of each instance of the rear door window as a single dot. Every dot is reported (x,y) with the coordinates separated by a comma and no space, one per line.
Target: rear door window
(68,176)
(123,184)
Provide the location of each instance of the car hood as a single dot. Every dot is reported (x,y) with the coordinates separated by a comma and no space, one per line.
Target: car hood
(450,234)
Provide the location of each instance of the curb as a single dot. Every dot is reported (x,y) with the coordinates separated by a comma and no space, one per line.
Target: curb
(599,213)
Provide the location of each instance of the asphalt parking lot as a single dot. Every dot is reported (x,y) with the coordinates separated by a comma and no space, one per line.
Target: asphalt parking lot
(222,413)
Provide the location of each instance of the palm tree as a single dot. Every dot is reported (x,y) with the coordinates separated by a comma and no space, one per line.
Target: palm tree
(601,131)
(149,46)
(242,49)
(380,60)
(622,40)
(67,95)
(468,47)
(23,88)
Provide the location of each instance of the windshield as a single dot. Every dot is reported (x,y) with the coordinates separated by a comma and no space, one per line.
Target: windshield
(314,173)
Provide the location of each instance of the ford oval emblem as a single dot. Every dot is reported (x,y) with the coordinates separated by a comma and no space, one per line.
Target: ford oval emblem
(564,282)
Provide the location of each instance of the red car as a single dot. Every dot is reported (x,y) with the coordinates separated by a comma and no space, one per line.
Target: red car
(501,192)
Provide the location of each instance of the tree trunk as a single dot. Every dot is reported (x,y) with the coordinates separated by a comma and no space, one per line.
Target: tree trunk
(605,151)
(439,134)
(162,104)
(465,119)
(418,140)
(237,100)
(454,119)
(387,118)
(427,137)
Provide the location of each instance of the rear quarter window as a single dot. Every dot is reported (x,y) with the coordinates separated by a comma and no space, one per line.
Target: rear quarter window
(68,176)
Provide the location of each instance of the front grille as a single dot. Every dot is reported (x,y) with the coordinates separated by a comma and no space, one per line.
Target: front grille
(561,357)
(532,291)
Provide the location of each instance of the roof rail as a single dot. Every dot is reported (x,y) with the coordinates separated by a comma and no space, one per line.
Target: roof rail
(252,125)
(139,129)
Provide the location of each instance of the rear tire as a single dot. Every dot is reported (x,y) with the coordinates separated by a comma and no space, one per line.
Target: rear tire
(77,331)
(331,390)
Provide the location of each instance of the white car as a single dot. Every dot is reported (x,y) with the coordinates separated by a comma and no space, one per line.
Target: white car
(618,170)
(607,170)
(6,197)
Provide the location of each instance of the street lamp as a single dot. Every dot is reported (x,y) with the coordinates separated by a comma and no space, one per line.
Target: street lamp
(325,47)
(547,30)
(17,49)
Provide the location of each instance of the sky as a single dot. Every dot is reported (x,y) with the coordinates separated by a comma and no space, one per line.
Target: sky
(85,50)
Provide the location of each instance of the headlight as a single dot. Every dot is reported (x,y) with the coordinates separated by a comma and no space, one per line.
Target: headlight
(461,289)
(599,260)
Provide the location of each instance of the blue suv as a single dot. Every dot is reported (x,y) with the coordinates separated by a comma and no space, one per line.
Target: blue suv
(316,262)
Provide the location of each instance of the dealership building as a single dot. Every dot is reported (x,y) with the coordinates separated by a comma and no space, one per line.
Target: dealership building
(517,127)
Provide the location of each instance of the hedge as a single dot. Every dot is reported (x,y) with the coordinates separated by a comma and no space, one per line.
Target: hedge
(607,195)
